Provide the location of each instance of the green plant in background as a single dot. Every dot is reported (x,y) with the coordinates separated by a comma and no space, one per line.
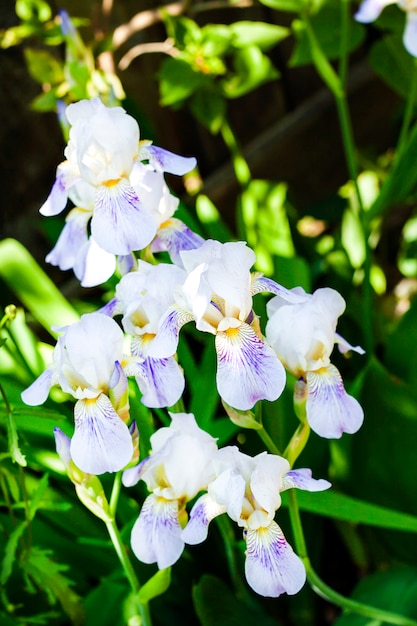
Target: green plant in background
(50,542)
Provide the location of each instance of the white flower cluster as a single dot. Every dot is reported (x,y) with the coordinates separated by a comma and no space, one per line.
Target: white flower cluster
(123,205)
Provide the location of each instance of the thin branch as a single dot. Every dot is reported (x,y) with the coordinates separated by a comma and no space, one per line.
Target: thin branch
(166,47)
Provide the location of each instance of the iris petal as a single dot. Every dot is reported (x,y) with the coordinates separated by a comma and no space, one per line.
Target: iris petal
(94,265)
(120,224)
(167,161)
(161,382)
(166,341)
(302,479)
(272,567)
(410,33)
(38,391)
(156,533)
(330,410)
(202,513)
(370,10)
(248,370)
(71,240)
(101,441)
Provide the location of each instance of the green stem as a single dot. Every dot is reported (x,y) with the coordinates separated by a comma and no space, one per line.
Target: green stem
(228,536)
(326,592)
(114,497)
(268,441)
(128,570)
(408,112)
(336,85)
(121,551)
(240,166)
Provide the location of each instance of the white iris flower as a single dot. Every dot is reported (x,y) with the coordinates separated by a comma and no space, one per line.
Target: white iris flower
(303,335)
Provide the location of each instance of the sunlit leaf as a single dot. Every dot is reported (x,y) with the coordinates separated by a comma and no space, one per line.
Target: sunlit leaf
(251,69)
(33,287)
(260,34)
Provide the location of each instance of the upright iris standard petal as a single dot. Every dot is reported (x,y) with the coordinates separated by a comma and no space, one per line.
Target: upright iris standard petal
(93,265)
(161,382)
(271,566)
(330,410)
(156,534)
(101,441)
(120,224)
(248,370)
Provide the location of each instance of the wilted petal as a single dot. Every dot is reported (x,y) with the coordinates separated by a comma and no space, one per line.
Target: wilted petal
(120,224)
(302,479)
(94,265)
(161,382)
(202,513)
(370,10)
(156,534)
(38,391)
(101,441)
(330,410)
(410,33)
(166,161)
(272,567)
(248,370)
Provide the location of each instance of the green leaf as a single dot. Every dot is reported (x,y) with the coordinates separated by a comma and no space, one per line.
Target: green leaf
(260,34)
(36,499)
(401,181)
(216,40)
(251,69)
(177,81)
(33,10)
(216,605)
(326,27)
(401,353)
(48,576)
(394,590)
(390,60)
(377,464)
(10,552)
(155,586)
(13,441)
(33,287)
(339,506)
(43,66)
(294,6)
(209,107)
